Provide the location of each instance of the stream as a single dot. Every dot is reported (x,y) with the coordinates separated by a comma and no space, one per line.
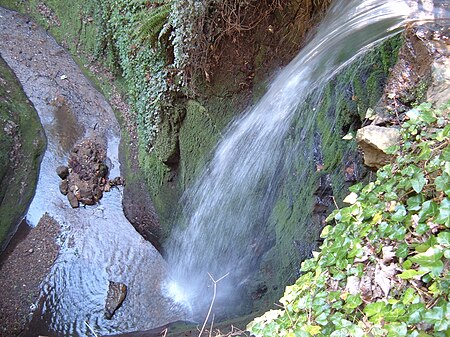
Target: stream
(98,244)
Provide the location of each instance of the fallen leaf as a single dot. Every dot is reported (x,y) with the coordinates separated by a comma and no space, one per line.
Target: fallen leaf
(383,276)
(352,286)
(388,254)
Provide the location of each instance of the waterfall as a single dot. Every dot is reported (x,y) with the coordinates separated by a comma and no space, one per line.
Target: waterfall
(222,224)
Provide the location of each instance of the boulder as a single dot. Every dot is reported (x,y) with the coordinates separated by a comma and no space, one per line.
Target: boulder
(115,297)
(73,201)
(374,140)
(62,171)
(64,186)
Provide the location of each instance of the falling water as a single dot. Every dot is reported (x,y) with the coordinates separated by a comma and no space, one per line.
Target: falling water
(221,226)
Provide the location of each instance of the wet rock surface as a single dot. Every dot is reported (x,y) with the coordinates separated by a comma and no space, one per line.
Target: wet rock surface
(98,244)
(22,271)
(421,73)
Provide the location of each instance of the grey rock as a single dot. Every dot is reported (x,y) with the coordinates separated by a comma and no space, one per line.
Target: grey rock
(73,201)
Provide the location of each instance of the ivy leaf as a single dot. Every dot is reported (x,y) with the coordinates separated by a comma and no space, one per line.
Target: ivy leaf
(410,296)
(411,273)
(353,301)
(433,316)
(429,209)
(402,250)
(444,213)
(418,181)
(444,239)
(428,117)
(446,154)
(430,260)
(312,329)
(400,214)
(414,203)
(375,308)
(396,329)
(443,184)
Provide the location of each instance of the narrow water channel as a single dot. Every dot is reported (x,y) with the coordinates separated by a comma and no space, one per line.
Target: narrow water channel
(98,243)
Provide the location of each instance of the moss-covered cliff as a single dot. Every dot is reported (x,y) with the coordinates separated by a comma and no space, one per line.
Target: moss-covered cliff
(22,142)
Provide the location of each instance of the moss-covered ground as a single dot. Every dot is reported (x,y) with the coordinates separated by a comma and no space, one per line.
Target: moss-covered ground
(22,143)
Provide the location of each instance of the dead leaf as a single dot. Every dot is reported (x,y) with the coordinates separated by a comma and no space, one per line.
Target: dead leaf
(351,198)
(383,276)
(365,287)
(388,254)
(352,286)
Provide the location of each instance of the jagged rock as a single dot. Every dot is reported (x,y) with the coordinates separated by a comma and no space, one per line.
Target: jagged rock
(64,187)
(117,181)
(86,174)
(374,140)
(115,297)
(439,91)
(62,171)
(73,201)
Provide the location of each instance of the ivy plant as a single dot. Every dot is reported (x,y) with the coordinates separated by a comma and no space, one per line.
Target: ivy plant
(383,267)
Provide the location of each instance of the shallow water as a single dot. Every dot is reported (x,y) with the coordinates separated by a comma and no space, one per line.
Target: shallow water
(98,243)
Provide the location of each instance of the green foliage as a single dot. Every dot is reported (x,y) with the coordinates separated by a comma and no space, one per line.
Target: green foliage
(152,24)
(383,268)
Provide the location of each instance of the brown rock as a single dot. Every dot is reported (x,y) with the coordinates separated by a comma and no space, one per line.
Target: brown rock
(374,140)
(62,171)
(64,186)
(115,297)
(73,201)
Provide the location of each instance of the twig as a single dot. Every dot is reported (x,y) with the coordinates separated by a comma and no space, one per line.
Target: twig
(90,328)
(212,324)
(212,301)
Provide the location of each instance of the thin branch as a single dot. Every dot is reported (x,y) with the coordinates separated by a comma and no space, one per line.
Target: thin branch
(212,301)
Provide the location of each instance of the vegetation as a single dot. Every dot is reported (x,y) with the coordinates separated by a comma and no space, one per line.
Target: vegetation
(383,267)
(22,142)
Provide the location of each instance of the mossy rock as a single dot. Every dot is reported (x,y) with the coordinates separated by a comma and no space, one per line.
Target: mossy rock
(21,147)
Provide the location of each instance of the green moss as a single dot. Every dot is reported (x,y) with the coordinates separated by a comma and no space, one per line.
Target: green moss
(22,144)
(198,135)
(321,159)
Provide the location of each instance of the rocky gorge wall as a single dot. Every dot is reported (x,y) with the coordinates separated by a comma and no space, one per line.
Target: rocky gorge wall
(190,126)
(22,142)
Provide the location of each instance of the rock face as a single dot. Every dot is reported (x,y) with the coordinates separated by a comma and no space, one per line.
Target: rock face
(374,140)
(86,176)
(115,297)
